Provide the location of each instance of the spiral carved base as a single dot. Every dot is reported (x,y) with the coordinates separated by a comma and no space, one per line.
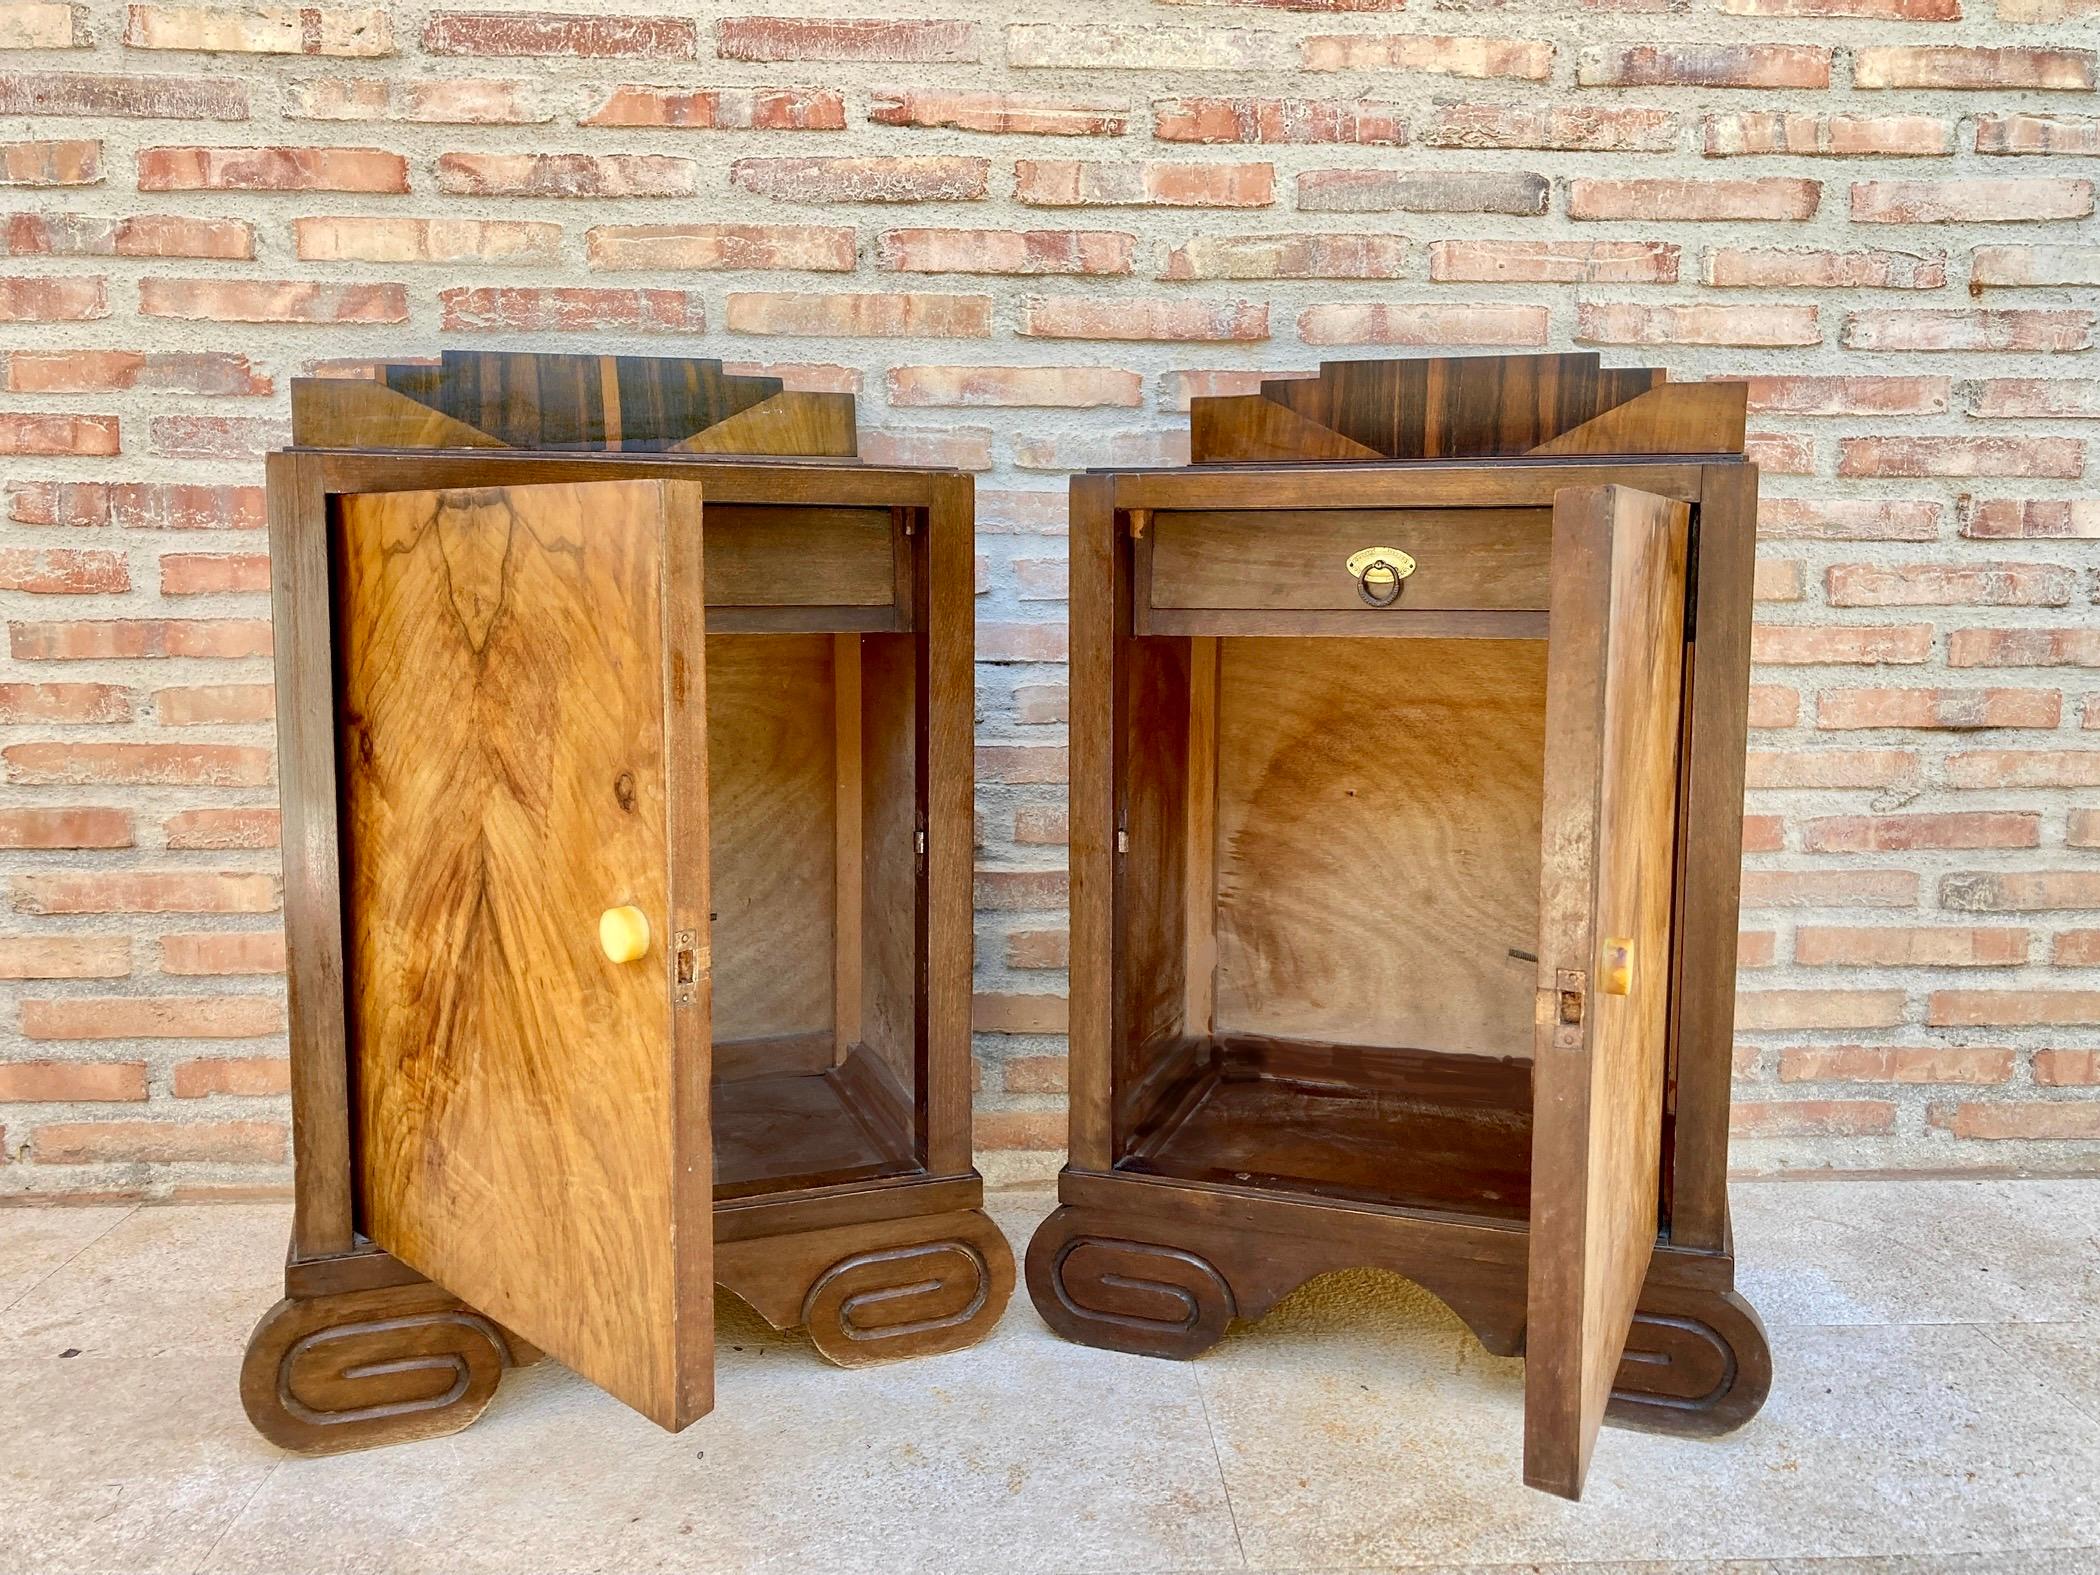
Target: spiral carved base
(359,1369)
(1108,1290)
(1696,1363)
(914,1298)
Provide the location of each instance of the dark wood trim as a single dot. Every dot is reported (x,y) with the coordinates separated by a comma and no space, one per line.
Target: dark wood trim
(1099,584)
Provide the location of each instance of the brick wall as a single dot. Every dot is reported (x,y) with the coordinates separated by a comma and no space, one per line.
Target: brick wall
(1024,235)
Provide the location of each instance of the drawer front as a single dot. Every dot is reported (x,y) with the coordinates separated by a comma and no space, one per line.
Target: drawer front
(1298,560)
(789,555)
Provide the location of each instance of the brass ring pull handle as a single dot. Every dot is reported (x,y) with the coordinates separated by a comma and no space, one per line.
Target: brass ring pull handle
(1381,574)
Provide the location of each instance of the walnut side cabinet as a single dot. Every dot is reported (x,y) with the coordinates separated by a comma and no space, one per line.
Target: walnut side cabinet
(1407,766)
(626,776)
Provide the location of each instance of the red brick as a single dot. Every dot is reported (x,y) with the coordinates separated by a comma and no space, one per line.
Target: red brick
(1848,519)
(1036,1074)
(2067,1068)
(887,315)
(2029,891)
(64,956)
(539,33)
(207,704)
(1813,1118)
(1037,825)
(1526,59)
(154,1017)
(29,433)
(1022,890)
(2027,133)
(566,175)
(2023,648)
(2012,768)
(963,448)
(2083,829)
(1038,949)
(1773,889)
(1065,387)
(1947,585)
(1553,262)
(807,248)
(522,309)
(2024,266)
(2013,1008)
(1969,201)
(62,571)
(1017,1014)
(65,162)
(473,101)
(1077,183)
(53,300)
(70,1082)
(62,828)
(2040,1120)
(1423,191)
(1004,251)
(194,574)
(2036,519)
(2031,456)
(1970,66)
(271,169)
(1990,828)
(1766,1011)
(210,765)
(143,891)
(1831,768)
(238,1076)
(156,371)
(273,301)
(1774,705)
(1053,45)
(159,1142)
(44,24)
(90,640)
(1755,949)
(2028,398)
(1288,255)
(1150,447)
(218,437)
(363,31)
(1029,1130)
(1036,114)
(1075,317)
(1799,268)
(1838,136)
(1564,128)
(1279,120)
(223,952)
(2022,329)
(136,235)
(65,703)
(1703,65)
(1982,1065)
(83,95)
(222,828)
(1878,10)
(1762,200)
(1627,323)
(721,109)
(1377,323)
(939,178)
(372,238)
(785,38)
(1920,946)
(1851,396)
(1777,580)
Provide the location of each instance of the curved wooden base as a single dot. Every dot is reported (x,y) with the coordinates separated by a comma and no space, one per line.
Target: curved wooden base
(357,1369)
(878,1292)
(1696,1361)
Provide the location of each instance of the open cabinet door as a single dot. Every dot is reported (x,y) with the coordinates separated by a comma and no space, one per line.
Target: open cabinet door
(1613,699)
(523,754)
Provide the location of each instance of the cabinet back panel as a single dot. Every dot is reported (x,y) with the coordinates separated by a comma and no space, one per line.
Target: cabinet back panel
(782,555)
(771,783)
(1378,826)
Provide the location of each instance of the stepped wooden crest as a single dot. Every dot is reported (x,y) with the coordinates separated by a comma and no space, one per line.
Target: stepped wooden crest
(1467,407)
(571,403)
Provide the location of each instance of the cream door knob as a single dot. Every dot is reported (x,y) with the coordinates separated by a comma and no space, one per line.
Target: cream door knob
(624,933)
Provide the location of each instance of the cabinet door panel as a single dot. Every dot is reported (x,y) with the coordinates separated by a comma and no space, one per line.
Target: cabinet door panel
(1613,704)
(522,740)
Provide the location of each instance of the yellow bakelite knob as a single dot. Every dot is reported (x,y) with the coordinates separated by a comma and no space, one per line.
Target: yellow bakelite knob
(624,933)
(1618,966)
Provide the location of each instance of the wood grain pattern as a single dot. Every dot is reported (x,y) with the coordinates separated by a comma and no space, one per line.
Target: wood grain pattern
(522,747)
(762,555)
(1294,558)
(789,423)
(337,412)
(1672,418)
(1231,428)
(1614,690)
(1378,852)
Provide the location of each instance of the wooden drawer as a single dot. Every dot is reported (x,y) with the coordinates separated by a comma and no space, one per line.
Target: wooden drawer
(782,566)
(1295,560)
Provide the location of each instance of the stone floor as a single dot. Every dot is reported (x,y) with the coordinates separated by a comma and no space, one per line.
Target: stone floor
(1936,1407)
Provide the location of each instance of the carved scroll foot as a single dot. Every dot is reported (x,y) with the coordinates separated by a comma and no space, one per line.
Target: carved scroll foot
(360,1369)
(1094,1284)
(917,1298)
(1696,1364)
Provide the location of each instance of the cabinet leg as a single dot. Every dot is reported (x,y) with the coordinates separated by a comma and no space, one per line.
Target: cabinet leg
(1696,1364)
(1094,1284)
(912,1298)
(358,1369)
